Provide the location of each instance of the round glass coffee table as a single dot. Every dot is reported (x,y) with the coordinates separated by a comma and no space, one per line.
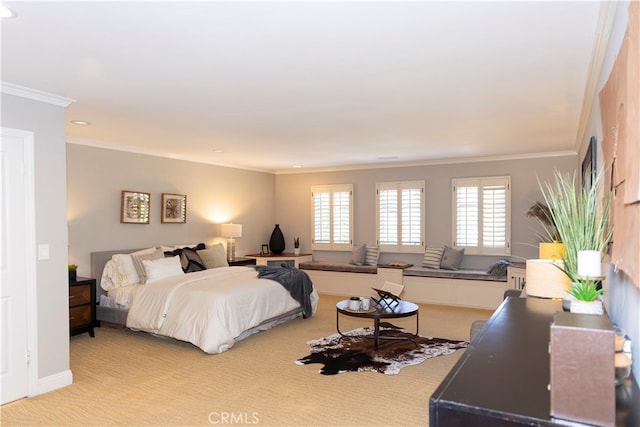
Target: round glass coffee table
(377,312)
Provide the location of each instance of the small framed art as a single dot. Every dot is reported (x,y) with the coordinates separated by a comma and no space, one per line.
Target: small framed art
(174,208)
(135,207)
(264,250)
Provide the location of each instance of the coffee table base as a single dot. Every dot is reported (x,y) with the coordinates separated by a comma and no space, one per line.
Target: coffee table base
(376,334)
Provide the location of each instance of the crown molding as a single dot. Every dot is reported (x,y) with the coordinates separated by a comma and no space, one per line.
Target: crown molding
(37,95)
(606,19)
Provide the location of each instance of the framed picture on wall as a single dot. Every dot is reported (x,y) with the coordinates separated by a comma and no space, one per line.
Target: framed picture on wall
(589,165)
(135,207)
(174,208)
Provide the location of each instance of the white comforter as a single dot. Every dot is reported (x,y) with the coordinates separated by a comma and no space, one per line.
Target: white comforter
(209,308)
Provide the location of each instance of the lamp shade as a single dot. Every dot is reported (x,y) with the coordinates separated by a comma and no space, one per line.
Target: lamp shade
(544,279)
(231,230)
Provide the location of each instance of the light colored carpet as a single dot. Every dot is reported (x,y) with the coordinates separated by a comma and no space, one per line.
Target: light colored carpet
(126,378)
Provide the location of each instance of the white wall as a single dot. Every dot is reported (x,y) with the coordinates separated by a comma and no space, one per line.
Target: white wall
(46,121)
(215,195)
(293,204)
(622,297)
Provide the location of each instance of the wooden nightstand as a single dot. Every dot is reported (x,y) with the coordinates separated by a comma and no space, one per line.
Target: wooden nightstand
(242,261)
(82,306)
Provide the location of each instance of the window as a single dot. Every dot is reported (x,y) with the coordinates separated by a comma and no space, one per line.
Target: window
(482,215)
(332,221)
(399,216)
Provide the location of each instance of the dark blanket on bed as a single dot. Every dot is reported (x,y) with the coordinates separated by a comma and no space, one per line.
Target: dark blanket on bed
(297,282)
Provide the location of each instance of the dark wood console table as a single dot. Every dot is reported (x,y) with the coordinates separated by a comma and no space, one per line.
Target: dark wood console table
(502,378)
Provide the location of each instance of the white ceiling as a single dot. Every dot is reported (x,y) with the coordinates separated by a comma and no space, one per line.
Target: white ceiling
(322,85)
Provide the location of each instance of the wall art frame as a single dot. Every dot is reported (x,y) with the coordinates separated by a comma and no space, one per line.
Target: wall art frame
(135,207)
(174,208)
(589,167)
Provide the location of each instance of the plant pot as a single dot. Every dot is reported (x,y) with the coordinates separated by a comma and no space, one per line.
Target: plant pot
(587,307)
(296,251)
(73,275)
(589,264)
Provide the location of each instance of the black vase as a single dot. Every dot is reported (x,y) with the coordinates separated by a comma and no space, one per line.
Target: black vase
(276,243)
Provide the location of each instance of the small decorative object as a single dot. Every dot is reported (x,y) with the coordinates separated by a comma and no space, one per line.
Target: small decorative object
(135,207)
(264,250)
(276,242)
(231,231)
(174,208)
(296,246)
(73,272)
(354,303)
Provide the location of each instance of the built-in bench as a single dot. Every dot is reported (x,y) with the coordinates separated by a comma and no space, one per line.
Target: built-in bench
(465,288)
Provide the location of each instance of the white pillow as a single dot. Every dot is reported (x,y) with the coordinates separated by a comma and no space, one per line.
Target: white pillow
(126,274)
(161,268)
(432,257)
(214,256)
(371,256)
(108,276)
(138,257)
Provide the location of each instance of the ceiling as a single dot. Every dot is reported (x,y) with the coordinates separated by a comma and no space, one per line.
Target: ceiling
(320,85)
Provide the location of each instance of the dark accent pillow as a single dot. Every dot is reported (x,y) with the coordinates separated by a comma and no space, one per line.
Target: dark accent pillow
(189,258)
(451,258)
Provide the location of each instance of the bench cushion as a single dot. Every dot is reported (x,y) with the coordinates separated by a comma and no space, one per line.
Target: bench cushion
(338,266)
(453,274)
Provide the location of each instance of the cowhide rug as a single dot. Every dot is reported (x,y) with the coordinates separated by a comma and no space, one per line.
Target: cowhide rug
(356,353)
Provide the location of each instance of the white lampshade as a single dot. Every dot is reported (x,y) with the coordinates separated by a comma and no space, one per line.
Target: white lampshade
(231,230)
(544,279)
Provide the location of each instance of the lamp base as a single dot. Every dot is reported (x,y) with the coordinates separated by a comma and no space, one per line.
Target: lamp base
(231,250)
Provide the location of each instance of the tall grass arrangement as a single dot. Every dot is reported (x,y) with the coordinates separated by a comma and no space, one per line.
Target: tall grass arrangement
(582,223)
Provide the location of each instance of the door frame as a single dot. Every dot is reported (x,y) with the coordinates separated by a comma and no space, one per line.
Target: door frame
(28,175)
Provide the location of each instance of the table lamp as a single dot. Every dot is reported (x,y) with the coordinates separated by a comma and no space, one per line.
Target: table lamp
(231,231)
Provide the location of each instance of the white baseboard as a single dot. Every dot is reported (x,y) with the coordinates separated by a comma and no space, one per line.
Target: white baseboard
(54,382)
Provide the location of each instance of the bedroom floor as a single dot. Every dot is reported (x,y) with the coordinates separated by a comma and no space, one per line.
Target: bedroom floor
(127,378)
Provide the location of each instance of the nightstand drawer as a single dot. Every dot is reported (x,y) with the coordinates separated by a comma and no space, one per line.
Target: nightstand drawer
(79,316)
(79,295)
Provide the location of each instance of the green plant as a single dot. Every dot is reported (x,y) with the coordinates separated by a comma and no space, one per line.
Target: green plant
(73,267)
(582,222)
(296,242)
(585,290)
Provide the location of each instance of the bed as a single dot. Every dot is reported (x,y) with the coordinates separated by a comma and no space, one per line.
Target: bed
(212,307)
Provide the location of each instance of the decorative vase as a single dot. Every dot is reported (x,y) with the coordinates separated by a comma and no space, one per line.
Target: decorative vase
(276,242)
(587,307)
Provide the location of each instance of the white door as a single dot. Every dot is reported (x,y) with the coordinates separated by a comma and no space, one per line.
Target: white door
(14,261)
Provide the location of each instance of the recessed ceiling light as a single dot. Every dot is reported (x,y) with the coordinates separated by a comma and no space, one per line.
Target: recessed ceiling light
(296,166)
(80,122)
(6,13)
(218,150)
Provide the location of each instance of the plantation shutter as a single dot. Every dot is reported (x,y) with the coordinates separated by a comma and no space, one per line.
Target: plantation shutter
(400,213)
(482,215)
(332,222)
